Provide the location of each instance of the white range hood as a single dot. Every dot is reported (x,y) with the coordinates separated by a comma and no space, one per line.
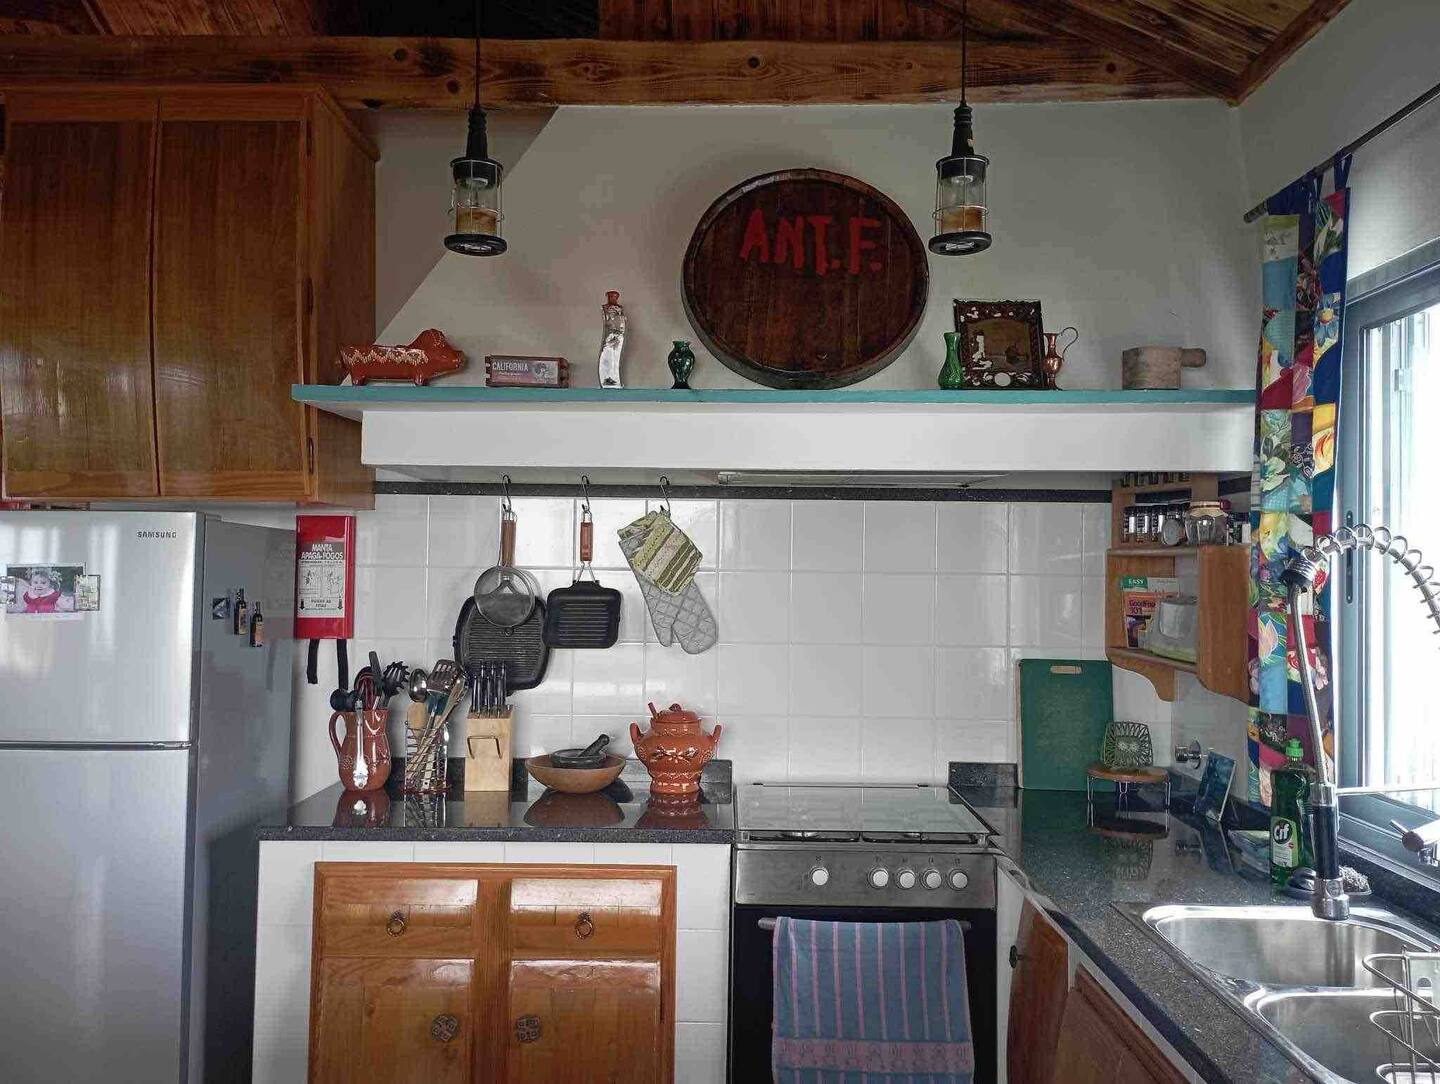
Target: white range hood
(458,432)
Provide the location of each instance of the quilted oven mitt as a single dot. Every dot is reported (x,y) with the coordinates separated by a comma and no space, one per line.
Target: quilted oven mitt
(653,545)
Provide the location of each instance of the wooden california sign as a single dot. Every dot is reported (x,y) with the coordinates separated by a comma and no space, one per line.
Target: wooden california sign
(805,279)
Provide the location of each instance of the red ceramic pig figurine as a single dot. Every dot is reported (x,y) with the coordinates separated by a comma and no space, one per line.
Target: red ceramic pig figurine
(430,355)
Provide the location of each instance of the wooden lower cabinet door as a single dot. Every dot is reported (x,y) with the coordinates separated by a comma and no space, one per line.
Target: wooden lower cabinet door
(393,1020)
(1037,1000)
(1100,1043)
(585,1022)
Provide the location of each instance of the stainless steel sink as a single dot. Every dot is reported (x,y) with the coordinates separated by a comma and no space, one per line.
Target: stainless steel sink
(1331,1027)
(1280,946)
(1297,979)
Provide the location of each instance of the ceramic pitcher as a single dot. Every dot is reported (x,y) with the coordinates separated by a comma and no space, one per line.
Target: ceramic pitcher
(364,753)
(674,750)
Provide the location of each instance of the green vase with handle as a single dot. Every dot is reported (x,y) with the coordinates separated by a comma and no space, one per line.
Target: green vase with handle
(952,373)
(681,360)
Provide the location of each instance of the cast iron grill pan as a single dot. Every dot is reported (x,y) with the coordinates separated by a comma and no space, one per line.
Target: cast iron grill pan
(585,614)
(521,649)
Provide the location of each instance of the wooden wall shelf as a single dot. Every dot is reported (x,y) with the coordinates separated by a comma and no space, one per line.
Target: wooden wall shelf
(1222,588)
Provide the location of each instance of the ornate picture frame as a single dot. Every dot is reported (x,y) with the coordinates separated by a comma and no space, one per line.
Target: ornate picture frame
(1000,344)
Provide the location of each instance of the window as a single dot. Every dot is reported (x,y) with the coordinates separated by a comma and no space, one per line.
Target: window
(1386,650)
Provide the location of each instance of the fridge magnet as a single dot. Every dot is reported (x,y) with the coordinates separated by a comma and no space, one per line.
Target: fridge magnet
(1000,344)
(42,589)
(87,594)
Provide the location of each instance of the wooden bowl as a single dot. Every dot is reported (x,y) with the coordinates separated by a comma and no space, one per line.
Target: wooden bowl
(575,780)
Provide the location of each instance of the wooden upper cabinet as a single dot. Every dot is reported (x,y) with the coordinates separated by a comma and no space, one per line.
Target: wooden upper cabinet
(1037,1000)
(392,1020)
(75,372)
(228,294)
(168,277)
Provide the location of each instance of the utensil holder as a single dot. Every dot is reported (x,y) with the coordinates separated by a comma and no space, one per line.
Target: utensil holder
(425,759)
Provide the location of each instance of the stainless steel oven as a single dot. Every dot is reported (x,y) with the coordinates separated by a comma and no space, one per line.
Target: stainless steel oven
(856,854)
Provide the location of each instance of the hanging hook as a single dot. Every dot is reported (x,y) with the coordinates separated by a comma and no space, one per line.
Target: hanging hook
(505,505)
(665,496)
(585,494)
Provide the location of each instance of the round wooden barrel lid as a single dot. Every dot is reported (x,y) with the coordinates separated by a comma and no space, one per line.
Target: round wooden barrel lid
(805,279)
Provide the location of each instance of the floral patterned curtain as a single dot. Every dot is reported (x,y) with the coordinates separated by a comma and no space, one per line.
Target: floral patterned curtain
(1292,490)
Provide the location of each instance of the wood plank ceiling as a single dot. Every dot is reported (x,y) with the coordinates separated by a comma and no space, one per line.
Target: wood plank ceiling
(553,51)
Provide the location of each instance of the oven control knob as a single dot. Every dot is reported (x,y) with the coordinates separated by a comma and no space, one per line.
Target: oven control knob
(958,879)
(879,877)
(819,876)
(905,877)
(932,878)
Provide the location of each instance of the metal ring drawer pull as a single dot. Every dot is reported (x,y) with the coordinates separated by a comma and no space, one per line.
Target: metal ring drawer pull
(396,926)
(584,926)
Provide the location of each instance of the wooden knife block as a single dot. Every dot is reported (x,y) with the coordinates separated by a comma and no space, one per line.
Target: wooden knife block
(487,752)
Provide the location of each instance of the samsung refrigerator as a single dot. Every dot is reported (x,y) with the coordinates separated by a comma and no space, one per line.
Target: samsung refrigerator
(142,736)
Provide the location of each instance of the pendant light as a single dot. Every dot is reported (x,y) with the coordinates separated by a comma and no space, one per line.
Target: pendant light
(475,214)
(961,215)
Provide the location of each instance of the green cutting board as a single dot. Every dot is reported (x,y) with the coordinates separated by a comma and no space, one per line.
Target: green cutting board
(1065,705)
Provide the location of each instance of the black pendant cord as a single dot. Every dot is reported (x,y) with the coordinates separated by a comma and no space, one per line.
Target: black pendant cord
(477,54)
(964,46)
(1354,145)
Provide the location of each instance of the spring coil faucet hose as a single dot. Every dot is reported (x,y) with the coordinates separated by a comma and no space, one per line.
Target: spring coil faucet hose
(1330,900)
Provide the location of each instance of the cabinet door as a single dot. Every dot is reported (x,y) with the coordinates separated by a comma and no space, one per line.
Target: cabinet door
(1100,1044)
(1037,999)
(584,1022)
(75,377)
(228,297)
(391,1020)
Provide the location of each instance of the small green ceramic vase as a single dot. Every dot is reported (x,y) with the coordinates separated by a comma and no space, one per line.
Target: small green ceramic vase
(952,374)
(681,361)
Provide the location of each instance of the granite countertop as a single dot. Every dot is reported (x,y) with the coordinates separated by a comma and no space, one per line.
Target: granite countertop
(624,812)
(1081,872)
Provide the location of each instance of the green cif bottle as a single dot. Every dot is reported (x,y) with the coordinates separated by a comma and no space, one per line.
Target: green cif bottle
(1289,790)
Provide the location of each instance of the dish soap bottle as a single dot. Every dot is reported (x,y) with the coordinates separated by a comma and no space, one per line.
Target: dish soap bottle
(1289,790)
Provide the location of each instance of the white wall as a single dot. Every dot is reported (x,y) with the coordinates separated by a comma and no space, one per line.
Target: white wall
(1122,218)
(1375,56)
(412,189)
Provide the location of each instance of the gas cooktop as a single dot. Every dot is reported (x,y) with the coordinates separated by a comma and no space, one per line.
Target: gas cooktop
(843,813)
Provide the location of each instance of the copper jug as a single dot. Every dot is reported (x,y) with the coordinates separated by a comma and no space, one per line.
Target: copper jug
(674,750)
(1055,356)
(364,753)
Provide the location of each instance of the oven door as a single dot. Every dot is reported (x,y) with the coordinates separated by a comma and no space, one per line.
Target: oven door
(752,985)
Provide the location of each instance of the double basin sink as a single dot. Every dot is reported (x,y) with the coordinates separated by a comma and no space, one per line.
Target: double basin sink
(1298,979)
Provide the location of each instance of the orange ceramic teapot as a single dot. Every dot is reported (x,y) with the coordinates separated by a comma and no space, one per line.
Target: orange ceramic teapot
(674,750)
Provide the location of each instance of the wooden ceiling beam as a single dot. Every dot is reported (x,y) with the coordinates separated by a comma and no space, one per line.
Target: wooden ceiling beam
(1078,20)
(1300,30)
(438,73)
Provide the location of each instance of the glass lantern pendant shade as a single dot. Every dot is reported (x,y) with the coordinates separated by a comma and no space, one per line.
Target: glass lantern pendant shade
(475,214)
(961,215)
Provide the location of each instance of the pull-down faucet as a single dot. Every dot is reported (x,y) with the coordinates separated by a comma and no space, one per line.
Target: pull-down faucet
(1329,899)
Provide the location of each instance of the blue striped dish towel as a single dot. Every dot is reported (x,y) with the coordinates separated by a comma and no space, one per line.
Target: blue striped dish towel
(871,1003)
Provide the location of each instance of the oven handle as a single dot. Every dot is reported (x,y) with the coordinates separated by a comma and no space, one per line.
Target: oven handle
(769,924)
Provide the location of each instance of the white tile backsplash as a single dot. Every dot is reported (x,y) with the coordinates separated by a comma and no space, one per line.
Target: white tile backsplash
(842,623)
(1046,538)
(827,536)
(826,607)
(899,536)
(899,608)
(755,535)
(972,537)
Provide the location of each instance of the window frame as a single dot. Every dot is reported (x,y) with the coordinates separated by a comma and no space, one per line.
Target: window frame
(1366,818)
